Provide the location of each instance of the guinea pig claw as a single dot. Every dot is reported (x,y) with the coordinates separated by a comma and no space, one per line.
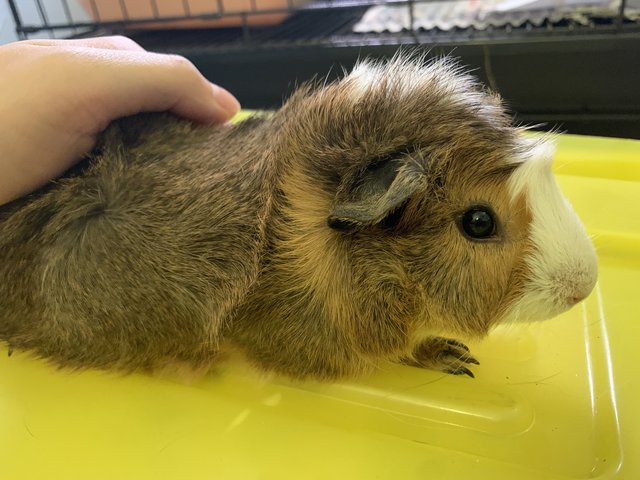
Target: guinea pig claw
(442,354)
(470,359)
(462,356)
(10,352)
(460,371)
(455,343)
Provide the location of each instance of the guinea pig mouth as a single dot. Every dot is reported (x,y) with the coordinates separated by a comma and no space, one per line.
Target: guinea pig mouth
(574,286)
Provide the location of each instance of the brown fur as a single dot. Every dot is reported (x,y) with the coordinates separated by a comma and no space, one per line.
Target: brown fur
(173,240)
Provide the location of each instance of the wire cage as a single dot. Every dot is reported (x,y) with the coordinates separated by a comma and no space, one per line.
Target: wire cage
(575,69)
(273,23)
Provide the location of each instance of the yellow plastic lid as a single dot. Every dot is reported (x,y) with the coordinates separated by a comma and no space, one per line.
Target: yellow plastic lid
(555,400)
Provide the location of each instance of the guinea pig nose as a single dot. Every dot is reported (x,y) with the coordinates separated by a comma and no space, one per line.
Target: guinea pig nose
(575,299)
(579,293)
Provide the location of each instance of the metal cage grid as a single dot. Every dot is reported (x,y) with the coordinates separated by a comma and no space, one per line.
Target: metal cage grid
(319,23)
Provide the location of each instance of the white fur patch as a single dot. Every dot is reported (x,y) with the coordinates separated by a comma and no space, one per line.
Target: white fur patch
(362,78)
(563,266)
(408,76)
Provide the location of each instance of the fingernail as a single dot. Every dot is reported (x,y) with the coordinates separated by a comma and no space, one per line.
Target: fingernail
(225,100)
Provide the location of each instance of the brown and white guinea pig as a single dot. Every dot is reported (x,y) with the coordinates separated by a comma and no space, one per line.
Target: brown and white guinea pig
(363,222)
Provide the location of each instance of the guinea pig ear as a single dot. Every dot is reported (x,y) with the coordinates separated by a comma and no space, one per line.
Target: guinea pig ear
(376,194)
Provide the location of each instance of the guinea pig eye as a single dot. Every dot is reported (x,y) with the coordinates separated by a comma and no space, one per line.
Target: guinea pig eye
(478,223)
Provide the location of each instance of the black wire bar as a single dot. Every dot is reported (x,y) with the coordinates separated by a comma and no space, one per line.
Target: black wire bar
(245,15)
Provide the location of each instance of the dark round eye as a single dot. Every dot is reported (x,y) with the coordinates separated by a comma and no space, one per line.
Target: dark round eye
(478,223)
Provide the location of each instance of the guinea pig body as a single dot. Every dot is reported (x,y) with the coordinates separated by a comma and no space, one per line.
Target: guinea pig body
(356,225)
(142,253)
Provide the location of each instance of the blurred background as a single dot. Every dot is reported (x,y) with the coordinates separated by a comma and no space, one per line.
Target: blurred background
(572,65)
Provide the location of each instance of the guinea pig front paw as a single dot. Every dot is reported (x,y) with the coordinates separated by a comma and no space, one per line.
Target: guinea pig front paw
(443,354)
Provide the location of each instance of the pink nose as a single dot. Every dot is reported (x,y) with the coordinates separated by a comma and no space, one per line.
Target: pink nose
(574,300)
(580,293)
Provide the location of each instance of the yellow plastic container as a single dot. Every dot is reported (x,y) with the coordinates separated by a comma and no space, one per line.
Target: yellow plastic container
(556,400)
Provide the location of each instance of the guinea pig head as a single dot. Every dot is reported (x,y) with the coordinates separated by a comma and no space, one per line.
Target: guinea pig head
(418,179)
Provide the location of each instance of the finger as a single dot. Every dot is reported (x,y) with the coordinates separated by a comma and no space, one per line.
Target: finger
(148,82)
(113,42)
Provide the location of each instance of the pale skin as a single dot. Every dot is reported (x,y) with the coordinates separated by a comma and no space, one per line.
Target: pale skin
(56,96)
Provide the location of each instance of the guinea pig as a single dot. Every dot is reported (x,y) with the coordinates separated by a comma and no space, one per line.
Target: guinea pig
(367,221)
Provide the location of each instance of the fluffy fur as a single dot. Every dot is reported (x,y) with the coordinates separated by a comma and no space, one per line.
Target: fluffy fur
(319,241)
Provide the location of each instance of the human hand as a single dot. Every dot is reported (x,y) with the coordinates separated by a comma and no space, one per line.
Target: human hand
(56,96)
